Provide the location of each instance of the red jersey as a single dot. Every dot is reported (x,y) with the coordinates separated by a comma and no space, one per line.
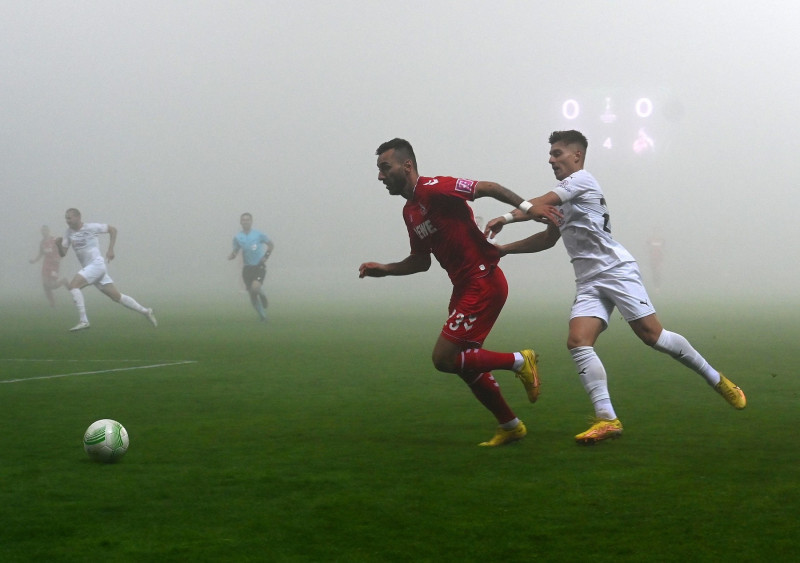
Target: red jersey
(51,259)
(440,222)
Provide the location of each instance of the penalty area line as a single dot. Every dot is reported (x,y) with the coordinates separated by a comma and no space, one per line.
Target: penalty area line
(166,364)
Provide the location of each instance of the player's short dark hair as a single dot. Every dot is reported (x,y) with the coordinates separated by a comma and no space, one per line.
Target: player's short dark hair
(247,214)
(73,211)
(401,147)
(569,137)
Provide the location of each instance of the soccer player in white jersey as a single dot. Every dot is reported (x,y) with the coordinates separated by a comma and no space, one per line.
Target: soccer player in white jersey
(83,238)
(607,276)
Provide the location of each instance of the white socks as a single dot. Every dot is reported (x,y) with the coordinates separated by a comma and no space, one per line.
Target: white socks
(513,423)
(131,303)
(77,298)
(595,382)
(593,377)
(679,348)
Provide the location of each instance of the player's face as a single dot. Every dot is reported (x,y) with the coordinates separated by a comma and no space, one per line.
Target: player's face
(565,159)
(392,172)
(73,220)
(247,222)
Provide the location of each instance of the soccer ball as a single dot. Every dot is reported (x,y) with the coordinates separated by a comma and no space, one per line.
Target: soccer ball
(105,440)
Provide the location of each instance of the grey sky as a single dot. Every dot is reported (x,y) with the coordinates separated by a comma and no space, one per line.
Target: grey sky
(168,119)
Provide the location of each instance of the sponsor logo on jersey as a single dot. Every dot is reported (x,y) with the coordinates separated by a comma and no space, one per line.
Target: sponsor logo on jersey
(431,182)
(425,229)
(464,186)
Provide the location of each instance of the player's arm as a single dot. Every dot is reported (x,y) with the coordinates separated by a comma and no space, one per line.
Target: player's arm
(542,240)
(535,209)
(60,247)
(543,209)
(498,192)
(112,233)
(235,251)
(411,265)
(38,256)
(270,248)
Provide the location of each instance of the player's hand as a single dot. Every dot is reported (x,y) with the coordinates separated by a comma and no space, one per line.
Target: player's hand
(371,270)
(109,256)
(547,214)
(493,227)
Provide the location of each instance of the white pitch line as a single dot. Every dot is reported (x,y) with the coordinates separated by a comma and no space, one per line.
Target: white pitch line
(99,371)
(73,361)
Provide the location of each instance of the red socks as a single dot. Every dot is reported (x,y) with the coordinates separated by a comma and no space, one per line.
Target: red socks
(478,360)
(487,391)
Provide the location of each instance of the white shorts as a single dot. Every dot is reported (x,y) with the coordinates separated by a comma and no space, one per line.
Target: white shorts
(619,287)
(95,272)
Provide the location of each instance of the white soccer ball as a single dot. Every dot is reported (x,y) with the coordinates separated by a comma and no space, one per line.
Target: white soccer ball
(106,441)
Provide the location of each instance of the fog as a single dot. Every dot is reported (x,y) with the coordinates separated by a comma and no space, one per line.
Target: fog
(170,119)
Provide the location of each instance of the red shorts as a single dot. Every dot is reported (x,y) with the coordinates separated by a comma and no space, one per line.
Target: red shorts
(474,307)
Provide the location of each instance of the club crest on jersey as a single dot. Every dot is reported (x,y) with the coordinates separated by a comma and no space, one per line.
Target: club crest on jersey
(464,186)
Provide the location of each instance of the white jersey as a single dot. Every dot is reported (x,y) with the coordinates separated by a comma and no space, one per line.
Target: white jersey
(85,242)
(586,227)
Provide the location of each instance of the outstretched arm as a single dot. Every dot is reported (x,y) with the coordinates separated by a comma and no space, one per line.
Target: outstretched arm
(112,232)
(410,265)
(537,209)
(542,240)
(498,192)
(543,209)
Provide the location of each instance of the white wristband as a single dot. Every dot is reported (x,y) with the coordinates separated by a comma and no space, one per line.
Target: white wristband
(508,217)
(524,206)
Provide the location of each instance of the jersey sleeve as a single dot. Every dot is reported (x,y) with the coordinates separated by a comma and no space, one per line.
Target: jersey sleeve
(465,188)
(444,186)
(567,189)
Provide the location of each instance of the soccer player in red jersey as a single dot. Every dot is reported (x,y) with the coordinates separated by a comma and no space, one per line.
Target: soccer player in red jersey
(51,263)
(440,222)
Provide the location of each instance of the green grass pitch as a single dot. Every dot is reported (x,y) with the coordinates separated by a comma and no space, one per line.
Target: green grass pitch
(326,435)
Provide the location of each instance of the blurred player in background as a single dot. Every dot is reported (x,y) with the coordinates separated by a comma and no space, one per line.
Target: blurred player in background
(256,248)
(655,245)
(51,263)
(84,240)
(607,276)
(440,222)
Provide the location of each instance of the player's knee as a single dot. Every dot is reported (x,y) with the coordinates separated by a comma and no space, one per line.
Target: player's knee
(443,364)
(575,342)
(649,338)
(648,334)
